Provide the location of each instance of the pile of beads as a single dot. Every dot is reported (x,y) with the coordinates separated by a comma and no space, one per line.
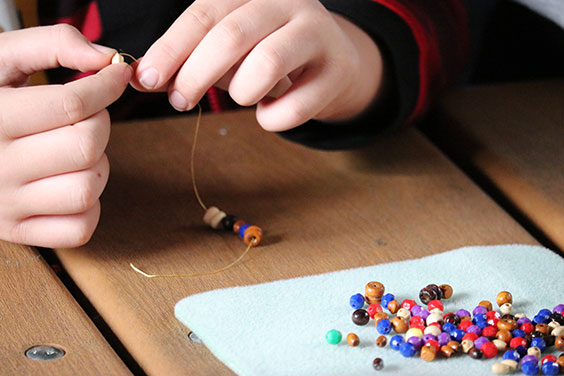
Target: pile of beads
(482,333)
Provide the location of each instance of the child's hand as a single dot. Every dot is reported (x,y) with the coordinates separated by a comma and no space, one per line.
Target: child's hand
(52,138)
(316,64)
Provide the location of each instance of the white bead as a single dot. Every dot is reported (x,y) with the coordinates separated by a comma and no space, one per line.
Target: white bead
(434,317)
(501,345)
(117,58)
(467,344)
(512,364)
(506,308)
(519,315)
(210,213)
(437,310)
(402,312)
(534,351)
(559,331)
(216,220)
(554,324)
(500,368)
(432,329)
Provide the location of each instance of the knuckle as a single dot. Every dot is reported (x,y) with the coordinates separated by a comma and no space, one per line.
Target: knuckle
(202,16)
(73,105)
(83,195)
(272,63)
(231,33)
(65,32)
(82,233)
(297,113)
(18,232)
(88,153)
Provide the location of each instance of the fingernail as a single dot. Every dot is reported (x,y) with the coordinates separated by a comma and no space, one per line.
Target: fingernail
(149,78)
(178,101)
(103,49)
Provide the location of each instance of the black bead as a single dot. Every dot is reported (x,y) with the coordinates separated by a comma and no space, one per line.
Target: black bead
(437,290)
(508,316)
(537,334)
(452,318)
(228,221)
(555,316)
(378,364)
(426,295)
(360,317)
(475,353)
(549,339)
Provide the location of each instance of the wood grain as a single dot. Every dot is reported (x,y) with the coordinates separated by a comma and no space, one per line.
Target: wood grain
(513,135)
(321,211)
(36,309)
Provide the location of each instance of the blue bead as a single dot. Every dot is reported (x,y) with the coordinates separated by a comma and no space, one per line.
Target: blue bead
(550,368)
(407,349)
(242,229)
(479,317)
(384,326)
(457,334)
(522,350)
(538,342)
(482,324)
(448,327)
(357,301)
(386,299)
(396,341)
(530,368)
(541,319)
(518,333)
(544,312)
(512,355)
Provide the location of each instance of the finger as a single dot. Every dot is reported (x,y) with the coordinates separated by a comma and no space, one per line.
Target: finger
(271,60)
(169,52)
(62,150)
(58,231)
(31,50)
(70,193)
(308,96)
(35,109)
(225,44)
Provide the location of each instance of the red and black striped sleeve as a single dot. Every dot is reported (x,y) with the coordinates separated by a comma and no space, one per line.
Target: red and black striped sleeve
(426,45)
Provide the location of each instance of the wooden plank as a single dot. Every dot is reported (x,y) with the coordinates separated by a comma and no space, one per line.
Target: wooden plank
(513,135)
(36,309)
(321,211)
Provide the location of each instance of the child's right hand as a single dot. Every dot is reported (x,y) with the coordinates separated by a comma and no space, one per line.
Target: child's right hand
(52,138)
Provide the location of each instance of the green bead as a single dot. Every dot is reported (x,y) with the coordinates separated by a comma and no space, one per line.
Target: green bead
(333,337)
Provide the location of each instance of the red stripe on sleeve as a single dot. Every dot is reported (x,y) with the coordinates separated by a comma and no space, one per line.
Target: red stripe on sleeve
(87,20)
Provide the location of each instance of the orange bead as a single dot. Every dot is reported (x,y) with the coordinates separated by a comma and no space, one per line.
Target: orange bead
(447,351)
(455,346)
(379,316)
(503,297)
(352,339)
(400,324)
(374,290)
(543,328)
(253,234)
(237,225)
(393,306)
(487,304)
(504,335)
(507,324)
(559,343)
(447,291)
(560,361)
(428,353)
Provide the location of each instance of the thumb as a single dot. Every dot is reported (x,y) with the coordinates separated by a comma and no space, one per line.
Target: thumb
(27,51)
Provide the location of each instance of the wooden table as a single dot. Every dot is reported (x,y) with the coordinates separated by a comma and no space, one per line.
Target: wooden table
(400,198)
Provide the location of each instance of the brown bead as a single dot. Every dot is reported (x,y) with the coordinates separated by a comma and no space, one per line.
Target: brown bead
(426,295)
(374,289)
(475,353)
(378,364)
(393,306)
(455,346)
(559,343)
(380,316)
(252,234)
(465,318)
(428,353)
(502,298)
(507,324)
(543,328)
(237,225)
(560,361)
(352,339)
(487,304)
(447,351)
(369,300)
(400,324)
(504,335)
(381,341)
(447,291)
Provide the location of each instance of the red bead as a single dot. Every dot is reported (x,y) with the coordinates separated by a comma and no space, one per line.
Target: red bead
(489,331)
(374,309)
(493,321)
(492,314)
(435,304)
(527,327)
(438,325)
(548,358)
(471,336)
(433,343)
(417,322)
(465,324)
(489,350)
(516,342)
(408,304)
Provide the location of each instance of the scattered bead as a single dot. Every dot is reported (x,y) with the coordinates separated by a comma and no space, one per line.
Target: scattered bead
(360,317)
(378,364)
(353,340)
(333,337)
(447,291)
(393,306)
(381,341)
(428,354)
(400,324)
(504,297)
(384,326)
(357,301)
(530,368)
(407,349)
(501,345)
(475,353)
(512,364)
(447,351)
(379,316)
(396,341)
(506,308)
(500,368)
(373,292)
(487,304)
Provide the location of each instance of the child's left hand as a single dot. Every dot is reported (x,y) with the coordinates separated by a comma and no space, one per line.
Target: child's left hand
(293,58)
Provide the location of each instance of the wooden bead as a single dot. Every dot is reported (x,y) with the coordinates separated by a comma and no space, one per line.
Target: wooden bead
(393,306)
(534,351)
(506,308)
(379,316)
(117,58)
(560,361)
(507,324)
(475,353)
(502,298)
(447,291)
(237,225)
(447,351)
(467,345)
(378,364)
(558,331)
(400,324)
(428,354)
(402,312)
(381,341)
(455,346)
(559,343)
(543,328)
(487,304)
(209,214)
(501,345)
(512,364)
(253,234)
(504,335)
(353,340)
(215,221)
(374,290)
(500,369)
(360,317)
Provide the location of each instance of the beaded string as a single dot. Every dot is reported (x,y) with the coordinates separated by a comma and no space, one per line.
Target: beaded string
(214,217)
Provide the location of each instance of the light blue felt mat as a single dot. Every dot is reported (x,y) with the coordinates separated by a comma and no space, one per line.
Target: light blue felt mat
(279,328)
